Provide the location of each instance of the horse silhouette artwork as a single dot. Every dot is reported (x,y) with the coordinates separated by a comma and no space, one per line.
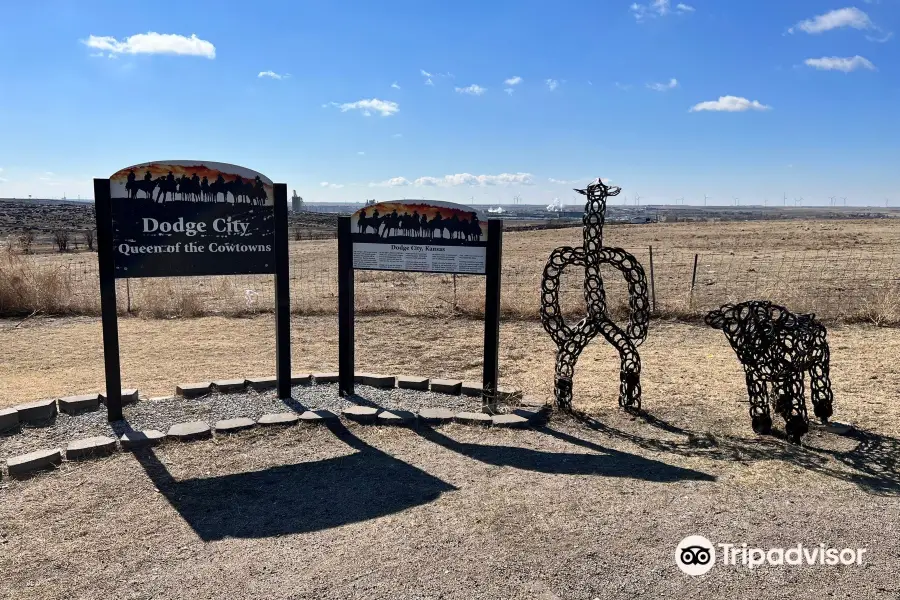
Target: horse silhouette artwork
(570,341)
(190,186)
(776,348)
(418,223)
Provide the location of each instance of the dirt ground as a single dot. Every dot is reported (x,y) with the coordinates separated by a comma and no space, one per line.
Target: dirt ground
(577,509)
(569,511)
(689,371)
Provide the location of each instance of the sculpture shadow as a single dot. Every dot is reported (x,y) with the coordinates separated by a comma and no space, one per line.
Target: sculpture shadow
(873,463)
(602,461)
(297,498)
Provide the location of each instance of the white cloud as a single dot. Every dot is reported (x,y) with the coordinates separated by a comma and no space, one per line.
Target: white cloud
(657,8)
(393,182)
(552,84)
(424,73)
(881,39)
(509,90)
(153,43)
(513,80)
(325,184)
(361,153)
(385,108)
(836,63)
(623,86)
(273,75)
(836,19)
(429,82)
(663,87)
(397,135)
(395,86)
(729,104)
(460,179)
(473,90)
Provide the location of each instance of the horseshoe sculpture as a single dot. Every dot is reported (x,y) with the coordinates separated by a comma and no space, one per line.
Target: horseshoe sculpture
(570,341)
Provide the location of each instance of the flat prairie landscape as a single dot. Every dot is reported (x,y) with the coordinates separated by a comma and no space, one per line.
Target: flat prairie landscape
(587,507)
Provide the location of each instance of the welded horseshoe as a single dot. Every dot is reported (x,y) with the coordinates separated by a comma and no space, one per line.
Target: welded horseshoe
(570,341)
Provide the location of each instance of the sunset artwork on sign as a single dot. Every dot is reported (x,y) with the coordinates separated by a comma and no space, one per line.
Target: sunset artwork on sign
(419,235)
(192,181)
(414,221)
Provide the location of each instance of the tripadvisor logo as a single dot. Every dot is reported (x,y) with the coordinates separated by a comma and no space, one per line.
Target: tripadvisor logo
(696,555)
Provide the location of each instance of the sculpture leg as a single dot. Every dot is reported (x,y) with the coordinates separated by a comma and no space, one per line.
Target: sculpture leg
(759,404)
(791,406)
(820,382)
(566,357)
(630,373)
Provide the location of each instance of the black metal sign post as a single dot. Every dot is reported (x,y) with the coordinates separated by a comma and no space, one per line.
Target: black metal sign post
(282,295)
(346,341)
(410,236)
(107,268)
(491,373)
(171,219)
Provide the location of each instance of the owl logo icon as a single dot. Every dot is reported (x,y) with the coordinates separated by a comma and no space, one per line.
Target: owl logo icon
(695,555)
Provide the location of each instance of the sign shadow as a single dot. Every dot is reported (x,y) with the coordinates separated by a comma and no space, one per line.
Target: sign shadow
(297,498)
(603,461)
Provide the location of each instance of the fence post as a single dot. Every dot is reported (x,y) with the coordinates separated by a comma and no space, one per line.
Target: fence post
(346,342)
(693,280)
(128,295)
(282,294)
(652,282)
(107,274)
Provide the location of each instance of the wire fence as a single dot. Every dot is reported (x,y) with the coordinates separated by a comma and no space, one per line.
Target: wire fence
(845,285)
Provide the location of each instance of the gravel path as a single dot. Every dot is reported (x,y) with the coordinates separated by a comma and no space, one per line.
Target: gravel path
(163,413)
(562,512)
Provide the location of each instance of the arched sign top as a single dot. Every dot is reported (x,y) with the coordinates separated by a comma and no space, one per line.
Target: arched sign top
(192,181)
(419,220)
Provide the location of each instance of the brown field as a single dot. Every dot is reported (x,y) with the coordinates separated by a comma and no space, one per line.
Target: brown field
(577,509)
(843,270)
(571,510)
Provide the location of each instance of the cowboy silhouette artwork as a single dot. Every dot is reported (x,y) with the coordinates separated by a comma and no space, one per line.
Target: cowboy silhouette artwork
(418,223)
(190,187)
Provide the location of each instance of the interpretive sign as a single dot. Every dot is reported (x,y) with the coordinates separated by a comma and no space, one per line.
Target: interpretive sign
(192,218)
(174,218)
(425,236)
(428,237)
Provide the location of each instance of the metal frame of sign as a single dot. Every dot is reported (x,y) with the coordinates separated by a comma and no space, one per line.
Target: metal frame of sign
(346,312)
(107,271)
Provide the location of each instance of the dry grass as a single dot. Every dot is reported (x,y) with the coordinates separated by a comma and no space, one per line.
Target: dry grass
(841,270)
(689,372)
(27,287)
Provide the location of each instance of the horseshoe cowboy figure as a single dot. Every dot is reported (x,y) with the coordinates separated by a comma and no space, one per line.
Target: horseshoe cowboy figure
(570,341)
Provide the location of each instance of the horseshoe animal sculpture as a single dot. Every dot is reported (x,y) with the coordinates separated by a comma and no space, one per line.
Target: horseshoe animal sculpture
(570,341)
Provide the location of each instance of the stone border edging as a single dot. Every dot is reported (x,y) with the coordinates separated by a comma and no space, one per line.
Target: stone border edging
(532,412)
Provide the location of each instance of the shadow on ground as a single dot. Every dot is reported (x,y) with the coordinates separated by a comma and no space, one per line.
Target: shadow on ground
(606,462)
(873,463)
(297,498)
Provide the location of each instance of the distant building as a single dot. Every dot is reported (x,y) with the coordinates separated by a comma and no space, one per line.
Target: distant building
(296,202)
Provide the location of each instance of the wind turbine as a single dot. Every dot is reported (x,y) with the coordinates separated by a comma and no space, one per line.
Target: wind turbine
(736,200)
(832,200)
(844,198)
(516,199)
(886,202)
(637,199)
(704,199)
(784,200)
(680,200)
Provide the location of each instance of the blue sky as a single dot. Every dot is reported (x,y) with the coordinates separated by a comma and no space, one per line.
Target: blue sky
(468,101)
